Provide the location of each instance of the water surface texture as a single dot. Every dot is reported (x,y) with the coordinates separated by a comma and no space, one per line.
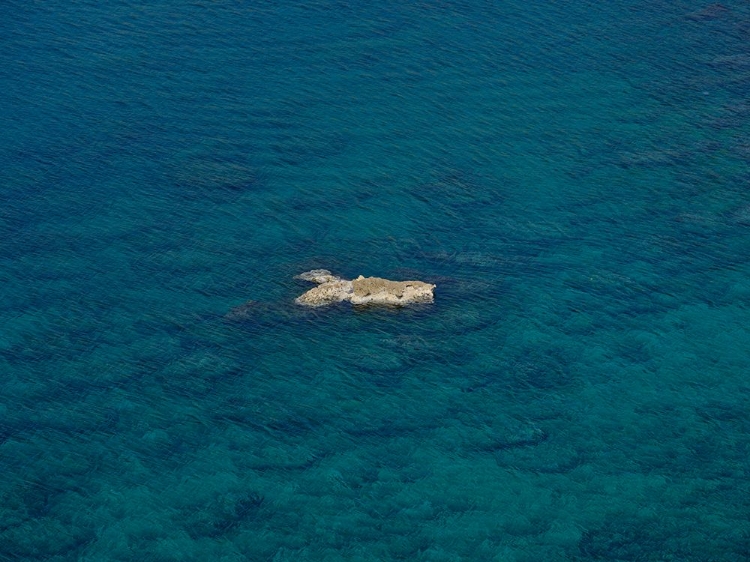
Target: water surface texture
(573,176)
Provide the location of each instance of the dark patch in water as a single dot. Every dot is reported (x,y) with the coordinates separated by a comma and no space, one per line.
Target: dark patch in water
(709,13)
(226,514)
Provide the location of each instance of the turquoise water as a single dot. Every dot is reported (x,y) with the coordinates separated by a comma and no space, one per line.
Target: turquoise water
(572,176)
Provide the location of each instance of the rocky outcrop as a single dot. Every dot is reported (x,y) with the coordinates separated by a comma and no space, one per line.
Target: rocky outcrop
(362,290)
(327,293)
(382,291)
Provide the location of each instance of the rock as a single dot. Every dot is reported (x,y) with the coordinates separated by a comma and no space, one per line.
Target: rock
(382,291)
(318,276)
(363,290)
(327,293)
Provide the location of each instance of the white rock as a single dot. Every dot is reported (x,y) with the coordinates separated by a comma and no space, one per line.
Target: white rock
(327,293)
(383,291)
(363,290)
(318,276)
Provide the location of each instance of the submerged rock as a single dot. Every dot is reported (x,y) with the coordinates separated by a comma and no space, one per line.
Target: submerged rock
(243,311)
(317,276)
(710,12)
(362,290)
(259,313)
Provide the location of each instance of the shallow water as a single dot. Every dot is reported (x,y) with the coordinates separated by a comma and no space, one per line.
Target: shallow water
(572,176)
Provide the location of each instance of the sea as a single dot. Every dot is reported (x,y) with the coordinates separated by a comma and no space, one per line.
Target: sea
(574,177)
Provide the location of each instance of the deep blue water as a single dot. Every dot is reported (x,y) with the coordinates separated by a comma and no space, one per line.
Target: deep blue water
(574,176)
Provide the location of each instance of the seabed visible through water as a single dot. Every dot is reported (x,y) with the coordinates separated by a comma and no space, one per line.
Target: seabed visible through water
(572,176)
